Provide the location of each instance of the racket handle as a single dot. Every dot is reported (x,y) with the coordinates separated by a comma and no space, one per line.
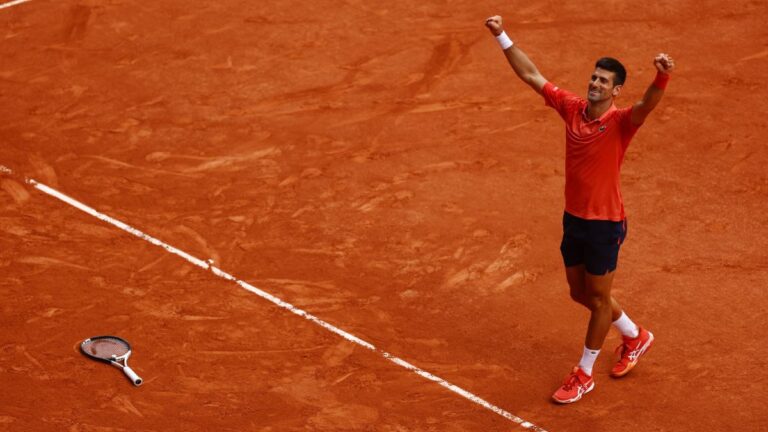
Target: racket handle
(133,376)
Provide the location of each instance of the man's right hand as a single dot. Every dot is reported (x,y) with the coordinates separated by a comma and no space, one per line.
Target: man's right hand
(494,25)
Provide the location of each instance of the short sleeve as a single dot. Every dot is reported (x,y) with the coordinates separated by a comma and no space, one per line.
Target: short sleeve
(561,100)
(628,130)
(624,117)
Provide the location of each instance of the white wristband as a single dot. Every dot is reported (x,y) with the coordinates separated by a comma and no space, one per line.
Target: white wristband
(504,40)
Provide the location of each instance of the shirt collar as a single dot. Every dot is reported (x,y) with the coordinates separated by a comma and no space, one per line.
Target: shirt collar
(600,119)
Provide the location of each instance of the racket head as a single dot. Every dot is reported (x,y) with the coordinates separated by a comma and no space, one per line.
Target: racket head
(107,349)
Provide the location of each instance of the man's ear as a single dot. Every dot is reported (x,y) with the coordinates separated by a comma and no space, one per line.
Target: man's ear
(616,90)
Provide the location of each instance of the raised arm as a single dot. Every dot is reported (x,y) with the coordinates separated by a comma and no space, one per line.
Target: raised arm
(521,64)
(664,65)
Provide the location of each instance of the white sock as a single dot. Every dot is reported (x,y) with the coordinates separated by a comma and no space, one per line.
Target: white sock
(588,360)
(626,326)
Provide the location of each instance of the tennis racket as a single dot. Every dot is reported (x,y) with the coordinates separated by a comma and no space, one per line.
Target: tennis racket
(113,350)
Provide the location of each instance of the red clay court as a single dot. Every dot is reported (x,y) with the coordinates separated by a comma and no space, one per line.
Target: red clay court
(380,167)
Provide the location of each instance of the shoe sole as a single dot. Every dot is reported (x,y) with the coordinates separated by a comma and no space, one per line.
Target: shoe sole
(632,365)
(589,389)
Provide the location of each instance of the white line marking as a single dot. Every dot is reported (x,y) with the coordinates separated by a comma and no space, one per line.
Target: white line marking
(207,265)
(13,3)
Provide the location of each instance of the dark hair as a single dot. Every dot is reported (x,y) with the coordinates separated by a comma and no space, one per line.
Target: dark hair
(612,65)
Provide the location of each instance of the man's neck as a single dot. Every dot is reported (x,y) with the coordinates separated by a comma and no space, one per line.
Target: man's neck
(597,109)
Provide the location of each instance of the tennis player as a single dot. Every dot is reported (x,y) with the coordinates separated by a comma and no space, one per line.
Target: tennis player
(594,224)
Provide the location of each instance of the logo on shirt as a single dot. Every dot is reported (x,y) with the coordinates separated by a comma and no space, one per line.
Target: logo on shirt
(602,128)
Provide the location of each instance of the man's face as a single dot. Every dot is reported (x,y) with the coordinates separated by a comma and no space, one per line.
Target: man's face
(601,86)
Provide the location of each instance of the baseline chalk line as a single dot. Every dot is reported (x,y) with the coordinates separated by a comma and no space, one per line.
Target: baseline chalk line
(13,3)
(208,265)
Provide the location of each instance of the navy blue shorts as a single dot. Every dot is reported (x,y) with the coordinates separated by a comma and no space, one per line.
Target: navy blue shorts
(594,243)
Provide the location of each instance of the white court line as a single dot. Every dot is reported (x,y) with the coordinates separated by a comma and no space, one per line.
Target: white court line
(13,3)
(207,265)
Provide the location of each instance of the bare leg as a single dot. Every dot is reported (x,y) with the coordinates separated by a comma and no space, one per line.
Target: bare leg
(594,293)
(575,276)
(605,310)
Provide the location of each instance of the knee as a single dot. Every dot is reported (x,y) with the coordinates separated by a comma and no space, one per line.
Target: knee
(576,296)
(598,302)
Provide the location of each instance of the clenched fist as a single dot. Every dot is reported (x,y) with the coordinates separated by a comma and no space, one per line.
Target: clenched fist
(664,63)
(494,25)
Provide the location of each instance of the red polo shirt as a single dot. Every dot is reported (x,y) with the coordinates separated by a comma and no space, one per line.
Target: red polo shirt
(594,151)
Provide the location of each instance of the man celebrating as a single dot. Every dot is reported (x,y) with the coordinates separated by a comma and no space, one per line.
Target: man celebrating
(594,224)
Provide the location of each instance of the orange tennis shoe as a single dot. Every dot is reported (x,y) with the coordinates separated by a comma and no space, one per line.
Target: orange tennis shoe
(576,385)
(630,352)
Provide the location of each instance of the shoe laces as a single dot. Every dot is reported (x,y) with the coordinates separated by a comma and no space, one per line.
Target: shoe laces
(625,350)
(571,381)
(621,349)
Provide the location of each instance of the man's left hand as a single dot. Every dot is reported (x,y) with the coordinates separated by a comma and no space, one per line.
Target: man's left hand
(664,63)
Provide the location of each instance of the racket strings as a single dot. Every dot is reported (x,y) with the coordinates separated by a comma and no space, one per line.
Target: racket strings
(107,348)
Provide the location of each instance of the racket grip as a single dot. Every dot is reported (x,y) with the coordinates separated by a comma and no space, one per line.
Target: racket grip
(133,376)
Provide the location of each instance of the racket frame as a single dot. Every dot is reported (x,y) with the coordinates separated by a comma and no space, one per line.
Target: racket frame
(120,362)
